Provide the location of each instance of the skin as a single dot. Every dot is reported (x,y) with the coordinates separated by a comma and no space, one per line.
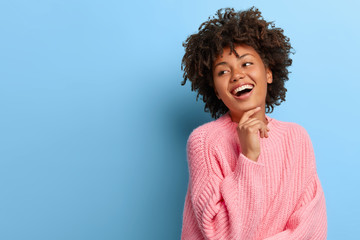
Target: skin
(230,71)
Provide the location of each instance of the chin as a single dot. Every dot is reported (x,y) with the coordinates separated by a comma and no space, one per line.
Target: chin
(247,108)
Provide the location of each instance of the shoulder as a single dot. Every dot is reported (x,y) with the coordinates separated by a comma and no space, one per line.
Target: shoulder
(207,143)
(290,130)
(210,134)
(296,140)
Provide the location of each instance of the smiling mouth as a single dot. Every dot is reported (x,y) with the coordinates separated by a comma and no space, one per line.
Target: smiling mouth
(239,91)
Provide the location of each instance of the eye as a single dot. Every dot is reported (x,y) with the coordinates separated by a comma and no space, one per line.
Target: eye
(246,64)
(220,73)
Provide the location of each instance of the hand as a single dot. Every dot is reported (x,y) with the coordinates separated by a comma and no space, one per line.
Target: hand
(249,130)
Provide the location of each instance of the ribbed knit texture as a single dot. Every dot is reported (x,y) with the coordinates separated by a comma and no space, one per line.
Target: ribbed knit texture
(232,197)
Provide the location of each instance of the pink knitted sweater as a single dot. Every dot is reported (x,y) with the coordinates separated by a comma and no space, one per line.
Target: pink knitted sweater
(232,197)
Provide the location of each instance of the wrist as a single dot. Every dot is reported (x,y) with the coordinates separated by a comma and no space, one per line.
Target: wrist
(252,156)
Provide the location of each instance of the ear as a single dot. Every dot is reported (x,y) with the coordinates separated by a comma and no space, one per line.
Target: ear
(269,77)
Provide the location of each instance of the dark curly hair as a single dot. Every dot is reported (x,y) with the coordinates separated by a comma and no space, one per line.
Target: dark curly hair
(228,28)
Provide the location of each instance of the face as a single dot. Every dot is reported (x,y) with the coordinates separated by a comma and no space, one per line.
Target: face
(241,82)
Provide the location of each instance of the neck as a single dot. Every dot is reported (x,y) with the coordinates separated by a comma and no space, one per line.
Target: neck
(259,115)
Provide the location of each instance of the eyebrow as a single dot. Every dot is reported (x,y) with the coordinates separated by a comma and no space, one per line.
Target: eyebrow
(224,63)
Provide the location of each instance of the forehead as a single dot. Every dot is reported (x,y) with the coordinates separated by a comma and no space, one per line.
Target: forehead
(239,50)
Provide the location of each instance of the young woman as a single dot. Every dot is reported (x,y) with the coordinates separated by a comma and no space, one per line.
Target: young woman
(251,176)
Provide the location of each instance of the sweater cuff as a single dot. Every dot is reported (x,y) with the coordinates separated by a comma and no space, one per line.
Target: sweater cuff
(248,167)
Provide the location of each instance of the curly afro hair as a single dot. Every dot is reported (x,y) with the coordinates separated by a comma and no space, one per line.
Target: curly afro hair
(226,29)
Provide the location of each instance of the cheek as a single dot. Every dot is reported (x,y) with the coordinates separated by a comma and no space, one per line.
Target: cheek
(219,91)
(259,76)
(217,85)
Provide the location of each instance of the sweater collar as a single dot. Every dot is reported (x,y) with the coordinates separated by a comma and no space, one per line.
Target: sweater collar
(226,117)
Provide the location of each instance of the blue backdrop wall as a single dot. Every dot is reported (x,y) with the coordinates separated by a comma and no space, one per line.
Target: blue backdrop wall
(94,121)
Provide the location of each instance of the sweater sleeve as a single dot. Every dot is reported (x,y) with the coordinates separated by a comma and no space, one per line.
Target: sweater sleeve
(225,206)
(308,219)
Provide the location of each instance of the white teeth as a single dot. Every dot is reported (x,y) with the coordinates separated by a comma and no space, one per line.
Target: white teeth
(243,87)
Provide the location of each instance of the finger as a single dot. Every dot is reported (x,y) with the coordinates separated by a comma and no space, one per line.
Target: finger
(258,127)
(255,122)
(254,126)
(250,121)
(262,133)
(248,114)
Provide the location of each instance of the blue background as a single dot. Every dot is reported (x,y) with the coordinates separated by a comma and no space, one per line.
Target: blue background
(94,121)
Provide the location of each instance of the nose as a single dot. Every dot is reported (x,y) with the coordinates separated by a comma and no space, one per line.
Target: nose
(237,75)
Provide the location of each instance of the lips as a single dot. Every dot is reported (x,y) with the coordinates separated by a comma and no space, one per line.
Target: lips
(242,90)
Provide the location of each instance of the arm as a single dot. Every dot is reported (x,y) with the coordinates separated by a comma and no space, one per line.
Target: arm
(308,220)
(225,206)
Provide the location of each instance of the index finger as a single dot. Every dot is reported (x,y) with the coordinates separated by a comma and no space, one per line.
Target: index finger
(248,114)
